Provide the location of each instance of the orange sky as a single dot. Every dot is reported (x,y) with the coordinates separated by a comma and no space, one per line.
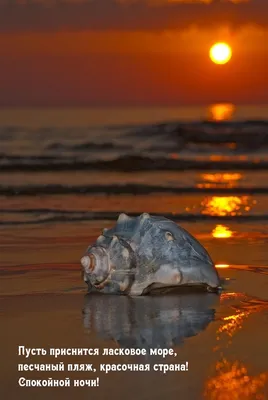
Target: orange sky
(54,54)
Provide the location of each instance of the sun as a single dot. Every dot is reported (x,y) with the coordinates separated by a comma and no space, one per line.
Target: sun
(220,53)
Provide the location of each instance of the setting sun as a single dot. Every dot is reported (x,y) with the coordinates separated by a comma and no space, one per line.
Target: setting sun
(220,53)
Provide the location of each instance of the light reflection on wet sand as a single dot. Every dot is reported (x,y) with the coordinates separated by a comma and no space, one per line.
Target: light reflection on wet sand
(232,380)
(222,232)
(234,322)
(222,265)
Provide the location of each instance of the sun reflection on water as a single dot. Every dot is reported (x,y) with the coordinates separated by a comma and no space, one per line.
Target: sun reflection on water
(225,205)
(221,112)
(212,180)
(222,232)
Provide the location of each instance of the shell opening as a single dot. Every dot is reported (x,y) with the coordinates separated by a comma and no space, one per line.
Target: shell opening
(92,262)
(88,262)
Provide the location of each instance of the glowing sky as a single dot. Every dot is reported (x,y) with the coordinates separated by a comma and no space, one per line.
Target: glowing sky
(112,52)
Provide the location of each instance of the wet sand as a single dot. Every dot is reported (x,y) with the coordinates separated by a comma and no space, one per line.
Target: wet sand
(223,337)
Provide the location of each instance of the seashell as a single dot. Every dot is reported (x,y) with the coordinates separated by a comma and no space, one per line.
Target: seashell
(141,254)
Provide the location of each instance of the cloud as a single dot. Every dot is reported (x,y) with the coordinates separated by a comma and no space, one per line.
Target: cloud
(128,15)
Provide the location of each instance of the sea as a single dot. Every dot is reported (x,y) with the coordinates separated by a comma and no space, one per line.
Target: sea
(66,171)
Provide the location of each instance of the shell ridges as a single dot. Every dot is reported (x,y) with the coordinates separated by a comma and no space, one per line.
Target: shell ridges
(123,217)
(145,216)
(100,239)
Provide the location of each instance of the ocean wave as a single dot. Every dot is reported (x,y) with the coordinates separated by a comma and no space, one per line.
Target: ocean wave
(166,146)
(127,164)
(88,146)
(47,216)
(134,189)
(245,134)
